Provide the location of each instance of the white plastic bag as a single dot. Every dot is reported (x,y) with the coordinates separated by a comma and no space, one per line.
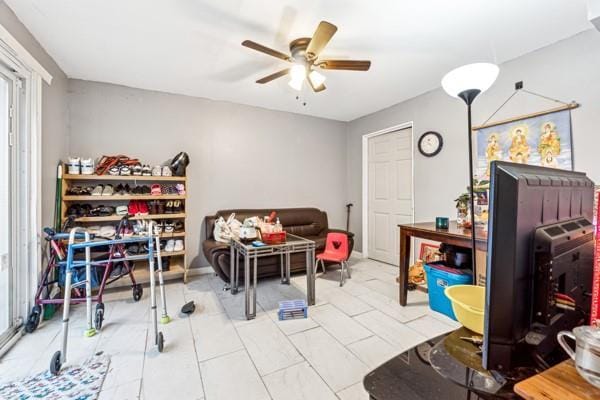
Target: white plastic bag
(222,232)
(226,230)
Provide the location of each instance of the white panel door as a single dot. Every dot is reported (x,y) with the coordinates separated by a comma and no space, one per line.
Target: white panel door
(389,192)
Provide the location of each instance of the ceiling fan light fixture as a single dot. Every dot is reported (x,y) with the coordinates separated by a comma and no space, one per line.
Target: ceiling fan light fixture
(296,83)
(298,72)
(316,78)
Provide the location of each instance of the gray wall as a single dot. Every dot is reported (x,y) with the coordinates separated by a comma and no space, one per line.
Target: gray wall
(54,110)
(241,156)
(568,70)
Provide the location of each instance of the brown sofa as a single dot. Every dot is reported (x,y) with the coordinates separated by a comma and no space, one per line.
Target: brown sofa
(309,223)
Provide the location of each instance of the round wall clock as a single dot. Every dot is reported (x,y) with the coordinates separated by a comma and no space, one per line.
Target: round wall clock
(430,143)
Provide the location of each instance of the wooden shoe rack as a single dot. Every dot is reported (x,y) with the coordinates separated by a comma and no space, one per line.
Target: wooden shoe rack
(179,267)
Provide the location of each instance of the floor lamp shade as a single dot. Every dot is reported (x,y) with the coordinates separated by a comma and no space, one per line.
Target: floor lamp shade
(472,78)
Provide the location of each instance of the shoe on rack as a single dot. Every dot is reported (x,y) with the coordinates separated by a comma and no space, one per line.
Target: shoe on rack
(87,166)
(74,165)
(107,231)
(143,208)
(137,169)
(124,170)
(177,206)
(132,208)
(86,210)
(94,230)
(120,189)
(160,209)
(178,245)
(157,171)
(74,211)
(156,191)
(146,170)
(108,190)
(98,190)
(180,189)
(153,207)
(121,211)
(169,227)
(74,191)
(114,170)
(166,171)
(169,207)
(178,226)
(170,246)
(145,190)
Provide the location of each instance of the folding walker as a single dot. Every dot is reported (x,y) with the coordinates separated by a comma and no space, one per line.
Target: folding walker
(60,357)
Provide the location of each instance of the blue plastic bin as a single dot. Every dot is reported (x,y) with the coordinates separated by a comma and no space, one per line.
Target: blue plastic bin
(438,278)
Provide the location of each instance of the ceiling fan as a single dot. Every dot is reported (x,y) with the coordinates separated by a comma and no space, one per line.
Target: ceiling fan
(305,59)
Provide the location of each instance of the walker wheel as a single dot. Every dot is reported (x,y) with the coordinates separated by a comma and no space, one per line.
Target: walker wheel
(160,341)
(99,316)
(55,363)
(138,290)
(33,320)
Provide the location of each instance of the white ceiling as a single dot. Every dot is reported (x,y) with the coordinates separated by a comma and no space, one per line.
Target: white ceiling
(193,47)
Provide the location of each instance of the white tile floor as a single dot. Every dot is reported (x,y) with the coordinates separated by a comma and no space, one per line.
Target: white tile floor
(217,355)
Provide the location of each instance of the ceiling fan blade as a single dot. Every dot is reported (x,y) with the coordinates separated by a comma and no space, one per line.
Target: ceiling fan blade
(321,37)
(317,89)
(349,65)
(276,75)
(263,49)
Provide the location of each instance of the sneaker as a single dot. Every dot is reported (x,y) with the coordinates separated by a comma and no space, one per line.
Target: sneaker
(137,170)
(121,210)
(180,189)
(166,171)
(87,166)
(108,190)
(114,170)
(74,165)
(125,170)
(169,207)
(97,190)
(146,170)
(178,246)
(169,227)
(157,171)
(170,246)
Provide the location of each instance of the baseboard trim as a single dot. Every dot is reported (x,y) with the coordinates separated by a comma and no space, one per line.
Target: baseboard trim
(356,254)
(201,271)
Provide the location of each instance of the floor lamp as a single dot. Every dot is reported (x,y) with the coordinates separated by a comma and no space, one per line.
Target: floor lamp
(466,83)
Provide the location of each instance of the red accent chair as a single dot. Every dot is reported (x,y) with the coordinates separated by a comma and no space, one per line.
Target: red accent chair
(336,251)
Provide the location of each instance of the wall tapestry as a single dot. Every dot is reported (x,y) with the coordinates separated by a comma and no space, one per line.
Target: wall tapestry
(538,139)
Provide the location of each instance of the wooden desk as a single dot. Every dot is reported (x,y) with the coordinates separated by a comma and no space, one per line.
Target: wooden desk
(561,382)
(426,230)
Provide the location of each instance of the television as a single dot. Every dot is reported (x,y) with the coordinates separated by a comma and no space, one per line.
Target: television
(539,262)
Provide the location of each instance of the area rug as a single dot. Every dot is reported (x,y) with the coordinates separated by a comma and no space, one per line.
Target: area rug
(74,382)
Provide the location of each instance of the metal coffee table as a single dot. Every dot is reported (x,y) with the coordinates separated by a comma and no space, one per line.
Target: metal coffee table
(294,244)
